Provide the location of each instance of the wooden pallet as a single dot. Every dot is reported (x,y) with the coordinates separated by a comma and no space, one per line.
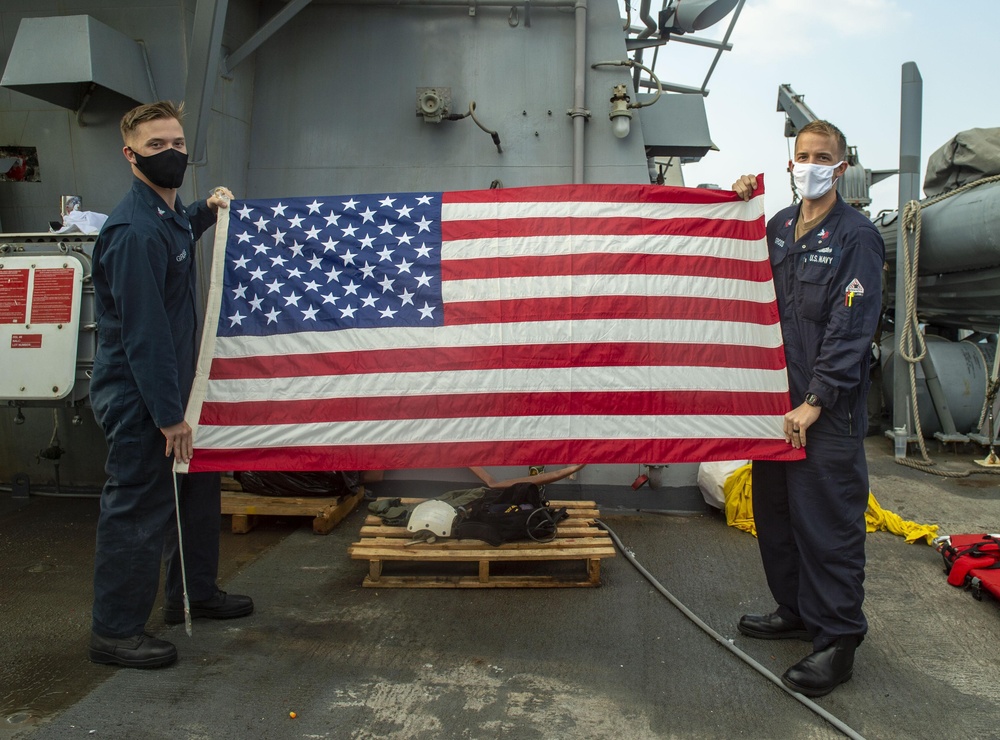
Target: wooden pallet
(578,538)
(326,512)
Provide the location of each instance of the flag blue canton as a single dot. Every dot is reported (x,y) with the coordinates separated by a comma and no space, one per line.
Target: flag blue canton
(323,264)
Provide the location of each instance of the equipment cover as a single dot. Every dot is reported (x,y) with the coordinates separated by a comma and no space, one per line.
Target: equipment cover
(968,156)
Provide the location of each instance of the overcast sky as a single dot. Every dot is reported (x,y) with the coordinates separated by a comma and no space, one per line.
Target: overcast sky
(845,57)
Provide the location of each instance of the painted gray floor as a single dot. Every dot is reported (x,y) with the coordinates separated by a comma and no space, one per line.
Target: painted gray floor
(618,661)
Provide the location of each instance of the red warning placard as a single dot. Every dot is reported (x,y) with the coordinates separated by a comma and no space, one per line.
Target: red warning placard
(52,296)
(13,296)
(26,341)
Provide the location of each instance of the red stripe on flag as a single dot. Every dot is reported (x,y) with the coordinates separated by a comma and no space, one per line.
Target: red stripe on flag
(590,308)
(444,359)
(605,264)
(598,194)
(604,226)
(474,405)
(519,452)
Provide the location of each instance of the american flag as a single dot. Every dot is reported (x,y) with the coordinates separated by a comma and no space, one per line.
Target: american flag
(589,323)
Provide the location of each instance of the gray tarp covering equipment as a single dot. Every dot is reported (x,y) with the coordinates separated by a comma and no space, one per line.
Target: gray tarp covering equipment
(968,156)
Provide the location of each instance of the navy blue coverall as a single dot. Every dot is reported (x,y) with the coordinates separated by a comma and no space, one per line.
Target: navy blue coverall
(809,514)
(147,329)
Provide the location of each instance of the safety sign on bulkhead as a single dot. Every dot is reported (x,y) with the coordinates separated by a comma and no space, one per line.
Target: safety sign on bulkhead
(39,325)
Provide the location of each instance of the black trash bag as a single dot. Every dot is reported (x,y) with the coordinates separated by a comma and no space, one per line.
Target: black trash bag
(278,483)
(518,512)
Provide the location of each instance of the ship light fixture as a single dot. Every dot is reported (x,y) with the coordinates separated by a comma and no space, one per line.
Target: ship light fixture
(621,105)
(621,116)
(688,16)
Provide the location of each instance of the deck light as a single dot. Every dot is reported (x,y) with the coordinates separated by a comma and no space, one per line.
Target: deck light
(685,16)
(621,116)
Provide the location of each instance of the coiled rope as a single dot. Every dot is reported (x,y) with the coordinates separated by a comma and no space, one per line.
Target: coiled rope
(912,346)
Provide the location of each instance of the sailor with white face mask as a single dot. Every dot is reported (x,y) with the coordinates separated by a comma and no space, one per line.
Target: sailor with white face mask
(813,181)
(826,260)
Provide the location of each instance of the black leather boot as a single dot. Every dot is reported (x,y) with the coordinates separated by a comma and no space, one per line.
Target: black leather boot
(772,627)
(220,606)
(823,671)
(138,651)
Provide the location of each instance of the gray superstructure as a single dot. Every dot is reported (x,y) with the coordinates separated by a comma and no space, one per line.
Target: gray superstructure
(325,97)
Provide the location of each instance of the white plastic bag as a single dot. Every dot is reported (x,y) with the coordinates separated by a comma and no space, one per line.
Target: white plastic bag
(712,477)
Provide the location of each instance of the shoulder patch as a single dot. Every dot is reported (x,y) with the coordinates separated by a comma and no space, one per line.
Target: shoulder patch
(855,287)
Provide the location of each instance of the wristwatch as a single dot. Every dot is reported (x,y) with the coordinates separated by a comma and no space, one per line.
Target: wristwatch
(813,400)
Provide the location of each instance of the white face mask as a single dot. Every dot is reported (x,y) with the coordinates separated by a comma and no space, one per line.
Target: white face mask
(813,180)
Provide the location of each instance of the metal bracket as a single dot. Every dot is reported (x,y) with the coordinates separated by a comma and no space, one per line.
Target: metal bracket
(956,437)
(948,433)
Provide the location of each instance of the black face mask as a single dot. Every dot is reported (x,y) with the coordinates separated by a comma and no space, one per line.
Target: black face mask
(165,169)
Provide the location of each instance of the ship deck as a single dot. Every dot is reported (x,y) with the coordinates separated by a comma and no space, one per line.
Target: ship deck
(615,661)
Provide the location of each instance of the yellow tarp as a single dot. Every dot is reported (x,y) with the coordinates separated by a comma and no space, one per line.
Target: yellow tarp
(878,518)
(739,505)
(738,492)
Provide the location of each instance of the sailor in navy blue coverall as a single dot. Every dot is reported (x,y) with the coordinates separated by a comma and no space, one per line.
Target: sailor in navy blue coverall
(144,282)
(827,261)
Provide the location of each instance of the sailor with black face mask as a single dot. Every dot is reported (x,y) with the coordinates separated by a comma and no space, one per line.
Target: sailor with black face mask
(826,260)
(165,169)
(147,326)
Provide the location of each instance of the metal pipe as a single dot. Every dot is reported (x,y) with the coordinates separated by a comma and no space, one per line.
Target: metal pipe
(670,87)
(645,17)
(83,104)
(630,63)
(203,69)
(725,41)
(580,90)
(149,70)
(695,40)
(911,102)
(273,25)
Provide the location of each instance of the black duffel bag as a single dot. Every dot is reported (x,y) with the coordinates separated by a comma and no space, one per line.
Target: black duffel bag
(297,484)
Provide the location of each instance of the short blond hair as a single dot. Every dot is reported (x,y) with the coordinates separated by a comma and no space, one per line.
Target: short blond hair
(150,112)
(826,129)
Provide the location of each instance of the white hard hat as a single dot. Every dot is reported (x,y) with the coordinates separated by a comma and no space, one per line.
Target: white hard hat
(437,517)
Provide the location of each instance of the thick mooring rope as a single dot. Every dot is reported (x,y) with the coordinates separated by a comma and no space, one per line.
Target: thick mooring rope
(912,346)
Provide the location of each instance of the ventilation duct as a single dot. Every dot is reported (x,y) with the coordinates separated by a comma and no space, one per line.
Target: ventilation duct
(65,60)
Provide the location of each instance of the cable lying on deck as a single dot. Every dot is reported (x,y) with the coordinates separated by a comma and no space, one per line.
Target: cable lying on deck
(816,708)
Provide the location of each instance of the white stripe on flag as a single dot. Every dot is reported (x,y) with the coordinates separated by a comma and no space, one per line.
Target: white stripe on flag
(488,429)
(516,380)
(728,333)
(585,286)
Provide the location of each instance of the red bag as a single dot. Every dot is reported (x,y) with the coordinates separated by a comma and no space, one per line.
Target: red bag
(972,561)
